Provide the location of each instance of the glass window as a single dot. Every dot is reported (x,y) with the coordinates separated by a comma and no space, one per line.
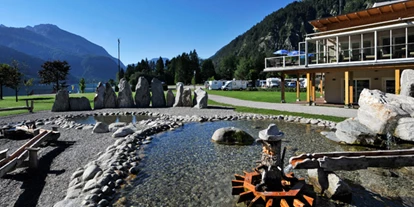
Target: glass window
(384,44)
(368,46)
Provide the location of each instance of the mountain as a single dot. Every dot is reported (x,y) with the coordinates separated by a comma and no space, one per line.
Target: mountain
(285,28)
(32,46)
(156,59)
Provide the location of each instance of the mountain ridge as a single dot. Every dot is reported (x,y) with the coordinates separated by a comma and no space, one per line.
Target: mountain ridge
(48,42)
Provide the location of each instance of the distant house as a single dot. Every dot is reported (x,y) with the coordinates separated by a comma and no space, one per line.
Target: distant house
(364,49)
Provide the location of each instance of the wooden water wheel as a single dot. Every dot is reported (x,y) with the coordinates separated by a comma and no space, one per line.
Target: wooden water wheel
(292,193)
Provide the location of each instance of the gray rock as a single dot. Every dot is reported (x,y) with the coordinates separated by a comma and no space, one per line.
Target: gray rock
(158,97)
(351,131)
(106,190)
(170,98)
(76,174)
(404,129)
(134,170)
(69,203)
(90,172)
(115,126)
(232,135)
(407,83)
(100,127)
(329,183)
(125,99)
(61,101)
(124,131)
(103,202)
(179,95)
(110,97)
(380,111)
(79,104)
(91,184)
(200,98)
(98,101)
(142,93)
(186,98)
(73,193)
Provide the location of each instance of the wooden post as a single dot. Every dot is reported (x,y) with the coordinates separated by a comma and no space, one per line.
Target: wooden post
(33,160)
(31,106)
(282,88)
(397,81)
(313,88)
(308,88)
(3,154)
(346,88)
(297,89)
(351,88)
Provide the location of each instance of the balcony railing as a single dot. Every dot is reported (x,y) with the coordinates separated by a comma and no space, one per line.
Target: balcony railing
(365,54)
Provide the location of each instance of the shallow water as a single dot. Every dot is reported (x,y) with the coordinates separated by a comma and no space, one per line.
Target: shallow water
(111,119)
(184,168)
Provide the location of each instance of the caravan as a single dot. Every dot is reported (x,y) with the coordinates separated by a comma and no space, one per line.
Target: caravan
(215,84)
(235,85)
(272,82)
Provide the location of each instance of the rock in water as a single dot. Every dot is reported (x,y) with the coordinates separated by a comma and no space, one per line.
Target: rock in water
(186,98)
(98,101)
(61,101)
(170,98)
(232,136)
(200,98)
(100,127)
(110,97)
(158,97)
(125,99)
(179,95)
(142,93)
(407,83)
(79,104)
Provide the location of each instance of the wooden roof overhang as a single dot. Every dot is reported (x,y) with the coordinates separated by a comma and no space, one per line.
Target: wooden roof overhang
(342,67)
(366,17)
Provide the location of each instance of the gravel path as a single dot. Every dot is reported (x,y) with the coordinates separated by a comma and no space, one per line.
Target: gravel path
(320,110)
(74,149)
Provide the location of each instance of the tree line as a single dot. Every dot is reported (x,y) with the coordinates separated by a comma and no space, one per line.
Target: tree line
(53,72)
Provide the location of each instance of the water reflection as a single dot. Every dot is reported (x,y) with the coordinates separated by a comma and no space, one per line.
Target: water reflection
(111,119)
(185,168)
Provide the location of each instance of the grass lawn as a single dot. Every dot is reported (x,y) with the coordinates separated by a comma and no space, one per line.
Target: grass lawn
(260,96)
(41,102)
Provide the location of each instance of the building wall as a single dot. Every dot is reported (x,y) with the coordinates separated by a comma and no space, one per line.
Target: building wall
(334,83)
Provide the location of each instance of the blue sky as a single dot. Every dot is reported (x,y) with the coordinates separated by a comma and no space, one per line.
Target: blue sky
(147,28)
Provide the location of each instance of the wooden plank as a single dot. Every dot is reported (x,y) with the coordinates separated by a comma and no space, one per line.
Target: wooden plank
(245,196)
(308,199)
(237,190)
(15,108)
(3,154)
(237,183)
(269,203)
(283,203)
(298,203)
(8,167)
(239,177)
(254,201)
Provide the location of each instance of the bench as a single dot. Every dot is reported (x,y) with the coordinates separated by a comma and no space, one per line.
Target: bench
(27,107)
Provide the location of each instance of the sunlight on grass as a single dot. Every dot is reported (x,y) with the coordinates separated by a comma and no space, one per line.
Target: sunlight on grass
(260,96)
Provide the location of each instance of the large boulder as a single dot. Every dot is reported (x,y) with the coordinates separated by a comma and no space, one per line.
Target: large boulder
(179,95)
(404,129)
(124,131)
(351,131)
(158,97)
(125,99)
(170,98)
(142,93)
(407,83)
(61,101)
(186,98)
(79,104)
(200,98)
(380,111)
(110,97)
(98,101)
(232,136)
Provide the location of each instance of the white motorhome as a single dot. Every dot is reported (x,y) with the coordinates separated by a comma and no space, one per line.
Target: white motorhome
(272,82)
(235,85)
(216,84)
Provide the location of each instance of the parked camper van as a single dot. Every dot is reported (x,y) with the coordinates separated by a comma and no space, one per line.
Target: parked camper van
(235,85)
(272,82)
(216,84)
